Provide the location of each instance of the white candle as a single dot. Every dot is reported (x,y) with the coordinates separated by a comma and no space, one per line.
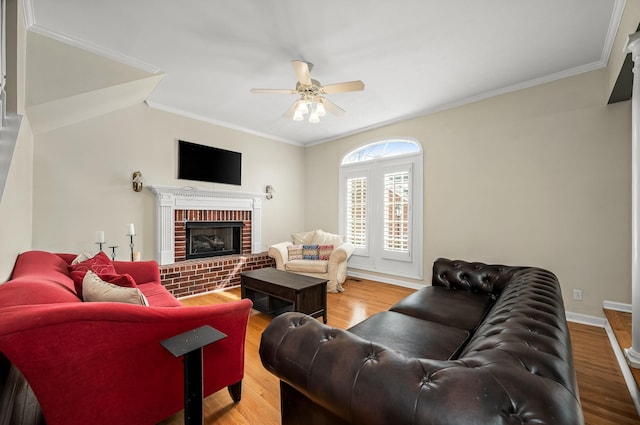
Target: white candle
(100,236)
(132,230)
(136,256)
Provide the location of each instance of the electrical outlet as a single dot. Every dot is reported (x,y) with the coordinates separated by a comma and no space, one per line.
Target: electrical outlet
(577,294)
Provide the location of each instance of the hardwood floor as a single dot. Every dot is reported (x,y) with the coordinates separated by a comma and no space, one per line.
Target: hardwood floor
(603,392)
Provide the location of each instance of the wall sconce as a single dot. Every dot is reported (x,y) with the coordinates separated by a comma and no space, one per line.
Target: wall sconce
(270,191)
(137,181)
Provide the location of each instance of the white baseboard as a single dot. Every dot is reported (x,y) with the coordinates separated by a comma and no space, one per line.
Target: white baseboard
(396,282)
(624,367)
(585,319)
(613,305)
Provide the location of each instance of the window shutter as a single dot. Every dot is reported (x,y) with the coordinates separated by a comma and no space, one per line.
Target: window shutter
(356,214)
(396,211)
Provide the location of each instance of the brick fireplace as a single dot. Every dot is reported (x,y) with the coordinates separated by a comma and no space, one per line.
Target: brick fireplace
(183,217)
(178,206)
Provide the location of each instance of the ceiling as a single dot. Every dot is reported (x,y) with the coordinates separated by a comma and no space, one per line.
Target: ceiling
(414,56)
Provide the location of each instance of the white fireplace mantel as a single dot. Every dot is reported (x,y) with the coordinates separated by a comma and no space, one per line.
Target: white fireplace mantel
(169,198)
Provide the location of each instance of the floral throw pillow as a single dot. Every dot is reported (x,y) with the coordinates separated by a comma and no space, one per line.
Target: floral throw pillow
(295,252)
(99,264)
(310,252)
(324,251)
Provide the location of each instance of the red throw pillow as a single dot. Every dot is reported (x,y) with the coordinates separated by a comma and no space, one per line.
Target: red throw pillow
(124,280)
(99,264)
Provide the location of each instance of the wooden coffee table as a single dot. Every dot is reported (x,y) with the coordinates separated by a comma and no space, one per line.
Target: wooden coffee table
(275,291)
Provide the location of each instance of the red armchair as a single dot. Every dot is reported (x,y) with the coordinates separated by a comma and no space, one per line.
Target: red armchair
(100,362)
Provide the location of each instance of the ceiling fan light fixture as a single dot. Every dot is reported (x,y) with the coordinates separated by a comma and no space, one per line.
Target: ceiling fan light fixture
(311,93)
(298,116)
(320,109)
(302,107)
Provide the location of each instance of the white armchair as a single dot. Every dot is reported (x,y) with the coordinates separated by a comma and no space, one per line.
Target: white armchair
(331,266)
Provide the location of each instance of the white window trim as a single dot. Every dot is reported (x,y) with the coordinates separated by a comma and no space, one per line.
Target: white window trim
(374,259)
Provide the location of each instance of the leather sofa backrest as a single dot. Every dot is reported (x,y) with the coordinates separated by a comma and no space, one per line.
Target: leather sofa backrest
(526,329)
(488,279)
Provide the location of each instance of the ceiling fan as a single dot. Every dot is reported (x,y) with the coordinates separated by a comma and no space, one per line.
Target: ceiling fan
(312,100)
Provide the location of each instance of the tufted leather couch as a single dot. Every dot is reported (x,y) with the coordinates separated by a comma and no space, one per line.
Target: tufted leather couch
(485,344)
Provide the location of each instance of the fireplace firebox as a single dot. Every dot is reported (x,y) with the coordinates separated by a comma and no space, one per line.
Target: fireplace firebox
(213,238)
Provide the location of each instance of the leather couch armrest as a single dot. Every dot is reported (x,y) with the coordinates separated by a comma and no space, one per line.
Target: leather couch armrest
(280,253)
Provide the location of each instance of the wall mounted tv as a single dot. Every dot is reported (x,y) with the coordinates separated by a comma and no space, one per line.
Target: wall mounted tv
(208,164)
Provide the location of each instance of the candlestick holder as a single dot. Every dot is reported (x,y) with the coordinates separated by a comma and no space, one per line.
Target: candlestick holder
(131,245)
(100,244)
(113,252)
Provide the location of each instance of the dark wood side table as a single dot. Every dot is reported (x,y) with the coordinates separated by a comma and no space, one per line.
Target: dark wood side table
(189,345)
(275,291)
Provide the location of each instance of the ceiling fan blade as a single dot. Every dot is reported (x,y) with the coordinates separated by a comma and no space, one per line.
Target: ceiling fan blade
(292,109)
(302,72)
(273,91)
(343,87)
(332,107)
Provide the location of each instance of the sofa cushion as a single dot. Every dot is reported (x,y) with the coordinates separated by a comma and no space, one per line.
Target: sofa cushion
(157,295)
(96,289)
(458,308)
(42,265)
(307,266)
(411,336)
(26,291)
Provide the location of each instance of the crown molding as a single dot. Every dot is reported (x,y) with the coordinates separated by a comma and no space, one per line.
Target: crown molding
(94,48)
(614,25)
(197,117)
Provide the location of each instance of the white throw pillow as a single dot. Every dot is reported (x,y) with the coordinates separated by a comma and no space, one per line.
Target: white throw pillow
(320,237)
(96,289)
(80,258)
(302,238)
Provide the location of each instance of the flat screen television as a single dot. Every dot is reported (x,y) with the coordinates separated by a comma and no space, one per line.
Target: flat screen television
(208,164)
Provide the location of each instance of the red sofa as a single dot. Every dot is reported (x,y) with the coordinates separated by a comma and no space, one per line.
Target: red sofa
(102,362)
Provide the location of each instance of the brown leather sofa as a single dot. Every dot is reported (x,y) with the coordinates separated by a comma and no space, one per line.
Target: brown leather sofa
(485,344)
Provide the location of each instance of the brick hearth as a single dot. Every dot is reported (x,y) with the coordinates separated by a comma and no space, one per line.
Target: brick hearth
(193,277)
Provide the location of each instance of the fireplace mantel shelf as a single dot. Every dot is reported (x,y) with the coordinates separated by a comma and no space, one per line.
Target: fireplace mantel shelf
(193,191)
(171,198)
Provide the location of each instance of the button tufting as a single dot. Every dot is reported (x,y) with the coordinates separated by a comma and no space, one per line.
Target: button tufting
(426,379)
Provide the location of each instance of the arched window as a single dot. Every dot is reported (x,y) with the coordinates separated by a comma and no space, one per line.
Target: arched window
(381,206)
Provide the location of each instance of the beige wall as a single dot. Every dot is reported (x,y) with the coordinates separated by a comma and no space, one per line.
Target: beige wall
(537,177)
(16,202)
(82,178)
(16,205)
